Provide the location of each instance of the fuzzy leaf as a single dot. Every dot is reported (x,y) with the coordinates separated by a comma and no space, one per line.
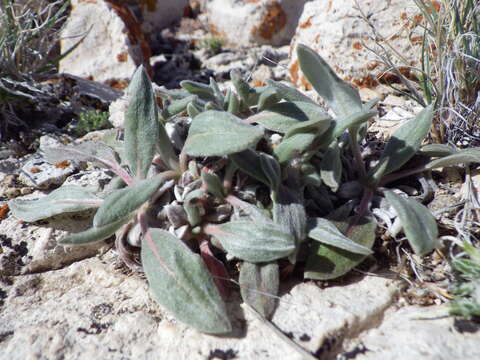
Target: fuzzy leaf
(331,167)
(465,156)
(329,262)
(258,165)
(259,285)
(282,116)
(204,91)
(218,133)
(213,184)
(253,242)
(180,282)
(66,199)
(289,213)
(326,232)
(293,146)
(248,95)
(141,124)
(267,98)
(122,202)
(342,98)
(418,223)
(93,234)
(436,150)
(355,119)
(289,93)
(178,106)
(403,144)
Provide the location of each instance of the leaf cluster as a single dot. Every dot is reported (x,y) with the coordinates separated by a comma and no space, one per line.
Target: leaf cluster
(260,175)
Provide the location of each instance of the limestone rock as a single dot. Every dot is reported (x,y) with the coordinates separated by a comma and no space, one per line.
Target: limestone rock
(419,333)
(113,47)
(336,30)
(245,23)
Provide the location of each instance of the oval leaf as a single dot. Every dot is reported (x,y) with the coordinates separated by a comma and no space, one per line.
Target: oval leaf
(218,133)
(436,150)
(66,199)
(326,232)
(141,124)
(329,262)
(282,116)
(289,93)
(331,167)
(465,156)
(180,282)
(93,234)
(122,202)
(259,285)
(253,242)
(258,165)
(418,223)
(342,98)
(403,144)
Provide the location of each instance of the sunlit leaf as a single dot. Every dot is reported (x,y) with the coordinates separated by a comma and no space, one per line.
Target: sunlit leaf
(289,93)
(340,96)
(437,150)
(418,223)
(180,282)
(282,116)
(93,234)
(258,165)
(331,167)
(329,262)
(218,133)
(259,285)
(141,124)
(122,202)
(465,156)
(253,242)
(66,199)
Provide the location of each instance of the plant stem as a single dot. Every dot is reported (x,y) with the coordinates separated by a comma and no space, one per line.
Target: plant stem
(357,154)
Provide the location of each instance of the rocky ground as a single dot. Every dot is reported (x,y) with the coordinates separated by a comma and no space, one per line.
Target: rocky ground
(61,302)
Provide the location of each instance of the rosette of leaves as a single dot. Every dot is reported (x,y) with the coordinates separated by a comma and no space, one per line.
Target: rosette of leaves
(256,176)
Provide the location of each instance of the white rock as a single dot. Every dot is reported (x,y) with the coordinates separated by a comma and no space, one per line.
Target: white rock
(39,174)
(244,23)
(112,49)
(418,333)
(158,14)
(337,32)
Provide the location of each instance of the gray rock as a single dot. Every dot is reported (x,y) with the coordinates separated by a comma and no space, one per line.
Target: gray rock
(417,332)
(336,30)
(246,23)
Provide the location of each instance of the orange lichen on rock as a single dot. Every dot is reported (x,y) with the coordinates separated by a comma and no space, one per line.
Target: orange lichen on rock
(35,170)
(4,211)
(296,76)
(273,21)
(307,23)
(122,57)
(357,45)
(62,164)
(368,82)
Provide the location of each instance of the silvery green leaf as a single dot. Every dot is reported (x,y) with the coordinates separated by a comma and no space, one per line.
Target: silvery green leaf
(327,262)
(258,165)
(419,225)
(253,212)
(289,213)
(342,98)
(403,144)
(267,98)
(293,146)
(178,106)
(436,150)
(289,93)
(203,91)
(192,110)
(248,95)
(345,122)
(253,242)
(219,97)
(181,283)
(331,167)
(218,133)
(141,124)
(233,103)
(311,175)
(326,232)
(213,183)
(259,285)
(122,202)
(93,234)
(192,207)
(465,156)
(317,126)
(66,199)
(281,117)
